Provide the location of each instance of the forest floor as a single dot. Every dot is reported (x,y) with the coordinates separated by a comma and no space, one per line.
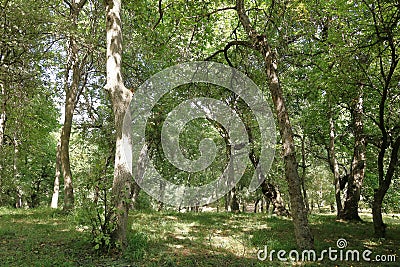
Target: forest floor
(46,237)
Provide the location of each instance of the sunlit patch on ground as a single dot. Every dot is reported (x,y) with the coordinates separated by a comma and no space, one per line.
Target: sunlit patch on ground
(46,238)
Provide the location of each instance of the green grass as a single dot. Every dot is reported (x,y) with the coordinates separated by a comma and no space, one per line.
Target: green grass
(45,237)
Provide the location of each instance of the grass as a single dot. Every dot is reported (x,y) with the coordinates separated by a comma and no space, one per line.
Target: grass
(45,237)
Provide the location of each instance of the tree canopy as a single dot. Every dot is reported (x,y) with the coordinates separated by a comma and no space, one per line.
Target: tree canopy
(329,71)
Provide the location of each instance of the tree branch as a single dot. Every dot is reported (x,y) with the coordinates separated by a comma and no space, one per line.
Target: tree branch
(68,4)
(81,3)
(244,19)
(161,12)
(394,161)
(219,10)
(226,48)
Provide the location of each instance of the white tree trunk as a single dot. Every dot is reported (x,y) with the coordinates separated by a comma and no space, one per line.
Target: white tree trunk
(2,114)
(120,97)
(54,199)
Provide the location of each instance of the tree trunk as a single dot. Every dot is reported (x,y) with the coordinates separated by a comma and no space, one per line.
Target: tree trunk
(227,200)
(261,202)
(274,196)
(387,140)
(379,226)
(18,191)
(270,192)
(388,123)
(384,184)
(3,117)
(120,97)
(303,173)
(303,233)
(64,155)
(72,92)
(161,206)
(143,157)
(350,210)
(258,200)
(304,237)
(234,203)
(134,194)
(54,199)
(334,165)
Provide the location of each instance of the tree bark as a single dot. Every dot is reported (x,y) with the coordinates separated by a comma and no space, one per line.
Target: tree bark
(357,172)
(234,203)
(143,157)
(304,237)
(388,137)
(18,191)
(272,193)
(258,200)
(64,153)
(3,115)
(227,200)
(3,119)
(303,173)
(72,92)
(384,184)
(120,97)
(379,225)
(56,190)
(334,165)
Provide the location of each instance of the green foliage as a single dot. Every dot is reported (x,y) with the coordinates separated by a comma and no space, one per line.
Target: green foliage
(93,195)
(143,202)
(138,245)
(97,215)
(327,50)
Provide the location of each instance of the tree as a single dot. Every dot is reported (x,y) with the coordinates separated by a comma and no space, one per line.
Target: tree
(333,163)
(56,188)
(303,234)
(357,171)
(120,98)
(385,17)
(73,88)
(27,112)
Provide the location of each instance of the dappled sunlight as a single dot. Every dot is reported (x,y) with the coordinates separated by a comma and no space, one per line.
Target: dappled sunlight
(222,239)
(199,133)
(208,233)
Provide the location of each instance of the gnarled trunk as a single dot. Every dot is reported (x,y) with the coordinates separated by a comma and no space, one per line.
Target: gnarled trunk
(274,196)
(271,193)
